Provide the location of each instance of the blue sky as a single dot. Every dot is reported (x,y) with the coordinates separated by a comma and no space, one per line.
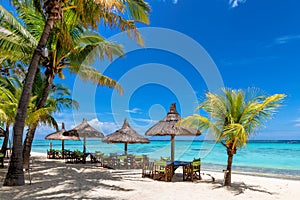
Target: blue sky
(244,43)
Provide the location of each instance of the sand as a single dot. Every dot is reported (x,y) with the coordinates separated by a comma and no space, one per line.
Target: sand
(53,179)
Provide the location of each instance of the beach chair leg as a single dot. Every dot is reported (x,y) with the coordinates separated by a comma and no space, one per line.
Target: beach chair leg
(29,176)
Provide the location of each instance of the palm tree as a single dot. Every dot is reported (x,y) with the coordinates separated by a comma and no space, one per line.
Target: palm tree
(56,102)
(89,13)
(10,91)
(63,55)
(235,115)
(11,88)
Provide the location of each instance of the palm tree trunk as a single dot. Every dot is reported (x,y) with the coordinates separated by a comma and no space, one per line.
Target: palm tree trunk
(30,133)
(227,181)
(5,141)
(27,145)
(15,174)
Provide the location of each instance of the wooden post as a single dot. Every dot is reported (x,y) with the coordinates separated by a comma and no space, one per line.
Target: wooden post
(172,147)
(84,148)
(125,148)
(63,149)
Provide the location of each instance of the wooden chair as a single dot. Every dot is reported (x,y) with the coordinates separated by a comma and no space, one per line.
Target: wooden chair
(50,153)
(192,171)
(78,156)
(138,162)
(165,158)
(162,170)
(122,162)
(97,157)
(130,161)
(110,161)
(147,170)
(69,156)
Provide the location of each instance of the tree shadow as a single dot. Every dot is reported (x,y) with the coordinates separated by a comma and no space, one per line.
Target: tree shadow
(238,188)
(57,180)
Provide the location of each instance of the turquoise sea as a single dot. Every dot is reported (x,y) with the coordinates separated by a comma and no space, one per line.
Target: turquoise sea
(280,158)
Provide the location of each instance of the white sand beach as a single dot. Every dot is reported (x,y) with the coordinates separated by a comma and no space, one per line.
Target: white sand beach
(53,179)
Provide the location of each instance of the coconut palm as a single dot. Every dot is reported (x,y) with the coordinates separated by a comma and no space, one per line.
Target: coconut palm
(11,88)
(235,115)
(56,102)
(65,55)
(88,12)
(8,105)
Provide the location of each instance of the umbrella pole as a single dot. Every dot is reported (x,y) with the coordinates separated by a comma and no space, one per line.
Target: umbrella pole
(84,148)
(63,148)
(125,148)
(172,147)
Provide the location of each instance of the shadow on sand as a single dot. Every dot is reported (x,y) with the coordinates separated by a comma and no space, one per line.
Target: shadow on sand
(238,188)
(57,180)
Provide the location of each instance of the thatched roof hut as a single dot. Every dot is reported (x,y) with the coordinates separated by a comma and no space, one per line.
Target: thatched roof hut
(61,135)
(168,126)
(125,135)
(86,131)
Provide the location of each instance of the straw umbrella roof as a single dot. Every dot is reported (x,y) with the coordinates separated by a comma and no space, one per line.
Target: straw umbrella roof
(85,130)
(168,126)
(60,135)
(125,135)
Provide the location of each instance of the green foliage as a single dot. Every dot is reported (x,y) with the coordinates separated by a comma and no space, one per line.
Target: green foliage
(70,45)
(234,115)
(58,100)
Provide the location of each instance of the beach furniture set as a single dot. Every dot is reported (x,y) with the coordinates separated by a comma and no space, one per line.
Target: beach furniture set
(112,161)
(164,170)
(115,161)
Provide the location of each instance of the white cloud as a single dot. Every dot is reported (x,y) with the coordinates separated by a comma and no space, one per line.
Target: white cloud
(285,39)
(144,120)
(173,1)
(104,127)
(134,110)
(235,3)
(297,123)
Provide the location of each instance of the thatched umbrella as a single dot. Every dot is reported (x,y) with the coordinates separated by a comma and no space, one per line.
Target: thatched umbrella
(125,135)
(60,135)
(167,126)
(86,131)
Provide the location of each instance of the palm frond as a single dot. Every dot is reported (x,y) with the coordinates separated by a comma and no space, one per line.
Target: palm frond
(235,134)
(15,26)
(261,112)
(91,74)
(50,121)
(138,10)
(196,121)
(35,115)
(87,54)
